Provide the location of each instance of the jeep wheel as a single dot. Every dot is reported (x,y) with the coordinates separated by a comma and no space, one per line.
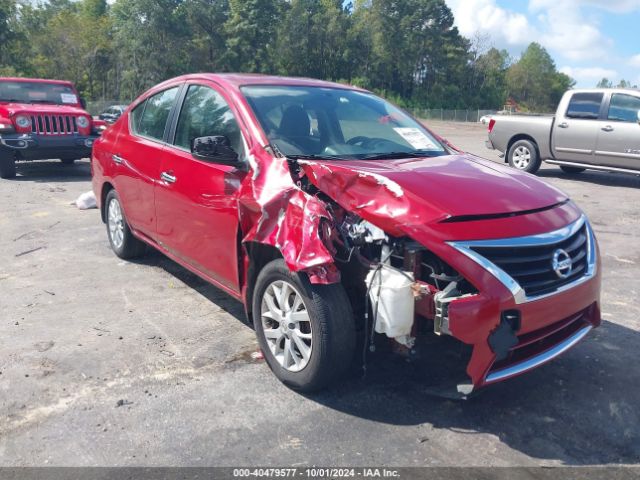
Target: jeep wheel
(7,165)
(523,155)
(122,241)
(306,331)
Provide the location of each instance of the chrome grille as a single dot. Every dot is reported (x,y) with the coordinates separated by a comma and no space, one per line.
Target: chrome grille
(47,124)
(532,266)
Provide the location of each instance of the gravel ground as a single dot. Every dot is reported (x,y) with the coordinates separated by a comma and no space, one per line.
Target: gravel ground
(106,362)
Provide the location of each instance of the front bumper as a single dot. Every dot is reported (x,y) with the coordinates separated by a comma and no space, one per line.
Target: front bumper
(41,147)
(546,325)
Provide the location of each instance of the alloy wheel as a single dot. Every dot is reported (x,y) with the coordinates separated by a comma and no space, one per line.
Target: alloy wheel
(116,223)
(286,325)
(521,157)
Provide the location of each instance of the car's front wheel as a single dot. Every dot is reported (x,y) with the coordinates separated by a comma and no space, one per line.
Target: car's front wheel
(523,155)
(122,241)
(306,331)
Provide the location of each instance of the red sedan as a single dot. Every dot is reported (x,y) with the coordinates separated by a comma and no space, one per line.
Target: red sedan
(329,212)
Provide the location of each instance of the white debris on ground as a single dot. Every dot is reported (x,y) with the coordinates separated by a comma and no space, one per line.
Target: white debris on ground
(86,201)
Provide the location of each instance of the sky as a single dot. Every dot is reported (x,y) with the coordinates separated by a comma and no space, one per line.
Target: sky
(588,39)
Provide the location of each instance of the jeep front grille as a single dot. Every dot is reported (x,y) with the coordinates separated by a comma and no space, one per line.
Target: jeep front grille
(46,124)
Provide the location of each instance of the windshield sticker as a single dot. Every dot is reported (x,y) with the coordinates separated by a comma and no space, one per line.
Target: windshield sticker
(68,98)
(416,138)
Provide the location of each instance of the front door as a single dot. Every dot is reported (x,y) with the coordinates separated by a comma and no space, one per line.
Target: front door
(619,134)
(196,201)
(575,131)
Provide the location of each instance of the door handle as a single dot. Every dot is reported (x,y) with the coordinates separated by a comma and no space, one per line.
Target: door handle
(608,128)
(117,159)
(563,125)
(167,177)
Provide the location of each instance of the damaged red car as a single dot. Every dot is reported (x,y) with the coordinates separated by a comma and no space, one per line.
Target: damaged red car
(336,217)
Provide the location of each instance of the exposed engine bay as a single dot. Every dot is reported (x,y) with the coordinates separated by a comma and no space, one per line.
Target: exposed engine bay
(398,287)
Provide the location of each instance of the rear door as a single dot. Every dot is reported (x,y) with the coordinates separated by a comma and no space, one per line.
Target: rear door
(196,201)
(575,130)
(619,134)
(137,155)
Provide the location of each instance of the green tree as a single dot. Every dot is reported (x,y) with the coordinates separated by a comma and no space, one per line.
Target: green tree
(311,41)
(534,81)
(150,38)
(250,34)
(12,39)
(604,83)
(206,19)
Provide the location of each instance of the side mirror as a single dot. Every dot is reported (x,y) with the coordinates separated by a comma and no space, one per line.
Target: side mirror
(83,103)
(214,149)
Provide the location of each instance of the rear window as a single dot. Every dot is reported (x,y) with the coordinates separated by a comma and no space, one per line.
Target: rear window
(149,119)
(585,105)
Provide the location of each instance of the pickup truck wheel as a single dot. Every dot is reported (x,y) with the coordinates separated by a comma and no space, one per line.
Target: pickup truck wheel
(524,156)
(306,331)
(122,241)
(572,170)
(7,166)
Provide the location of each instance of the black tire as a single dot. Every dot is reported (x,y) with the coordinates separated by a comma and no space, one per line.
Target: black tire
(523,155)
(7,165)
(129,246)
(572,170)
(332,326)
(68,161)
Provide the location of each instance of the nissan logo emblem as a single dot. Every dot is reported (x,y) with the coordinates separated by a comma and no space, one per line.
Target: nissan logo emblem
(561,263)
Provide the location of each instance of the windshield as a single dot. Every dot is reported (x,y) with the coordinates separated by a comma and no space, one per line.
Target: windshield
(36,92)
(337,123)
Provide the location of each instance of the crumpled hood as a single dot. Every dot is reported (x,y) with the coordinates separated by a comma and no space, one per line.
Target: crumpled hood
(425,190)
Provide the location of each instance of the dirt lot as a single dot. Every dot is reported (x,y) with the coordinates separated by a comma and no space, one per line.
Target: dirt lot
(105,362)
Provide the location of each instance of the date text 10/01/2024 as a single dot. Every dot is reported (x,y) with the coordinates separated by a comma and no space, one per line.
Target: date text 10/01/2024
(316,472)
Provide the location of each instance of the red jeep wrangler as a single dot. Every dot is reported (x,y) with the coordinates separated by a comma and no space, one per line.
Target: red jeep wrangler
(42,119)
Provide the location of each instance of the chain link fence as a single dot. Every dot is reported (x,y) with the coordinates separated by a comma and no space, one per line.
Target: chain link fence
(451,115)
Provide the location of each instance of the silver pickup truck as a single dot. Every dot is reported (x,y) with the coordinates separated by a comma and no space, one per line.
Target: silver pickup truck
(597,129)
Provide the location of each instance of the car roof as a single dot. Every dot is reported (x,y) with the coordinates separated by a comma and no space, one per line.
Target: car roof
(36,80)
(238,80)
(601,90)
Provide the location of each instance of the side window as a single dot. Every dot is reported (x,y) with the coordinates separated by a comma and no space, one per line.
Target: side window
(205,113)
(624,108)
(156,111)
(585,106)
(135,116)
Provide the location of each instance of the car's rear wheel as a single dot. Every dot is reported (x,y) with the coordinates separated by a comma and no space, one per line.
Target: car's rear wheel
(572,170)
(7,165)
(523,155)
(122,241)
(306,331)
